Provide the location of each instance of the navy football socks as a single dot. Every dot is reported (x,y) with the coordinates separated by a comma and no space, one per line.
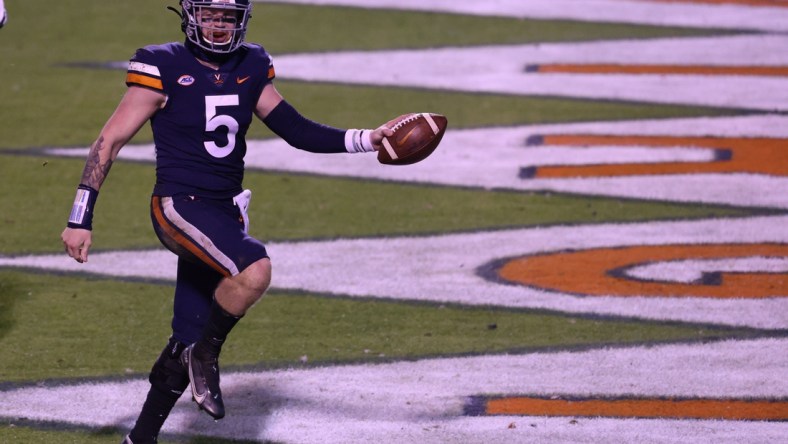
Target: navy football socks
(168,380)
(216,330)
(155,411)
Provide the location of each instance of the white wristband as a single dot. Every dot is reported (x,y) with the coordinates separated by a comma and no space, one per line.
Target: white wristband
(359,141)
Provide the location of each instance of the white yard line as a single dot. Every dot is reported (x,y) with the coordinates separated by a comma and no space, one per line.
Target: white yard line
(695,15)
(493,158)
(444,268)
(423,401)
(501,70)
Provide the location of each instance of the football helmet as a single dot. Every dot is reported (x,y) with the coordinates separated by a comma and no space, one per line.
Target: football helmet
(196,23)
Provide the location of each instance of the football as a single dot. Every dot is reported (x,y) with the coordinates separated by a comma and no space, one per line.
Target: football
(415,137)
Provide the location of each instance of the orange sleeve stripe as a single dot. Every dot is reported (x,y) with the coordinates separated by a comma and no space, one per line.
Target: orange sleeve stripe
(139,79)
(271,73)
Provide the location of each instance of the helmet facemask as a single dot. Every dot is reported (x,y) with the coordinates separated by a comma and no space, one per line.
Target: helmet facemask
(218,27)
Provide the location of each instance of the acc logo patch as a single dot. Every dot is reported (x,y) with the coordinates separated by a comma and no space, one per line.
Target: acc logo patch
(185,80)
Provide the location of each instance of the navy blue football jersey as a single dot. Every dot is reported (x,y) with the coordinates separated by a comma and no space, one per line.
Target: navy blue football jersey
(200,133)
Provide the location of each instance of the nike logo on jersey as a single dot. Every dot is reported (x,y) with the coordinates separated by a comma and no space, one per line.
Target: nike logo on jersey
(400,142)
(240,80)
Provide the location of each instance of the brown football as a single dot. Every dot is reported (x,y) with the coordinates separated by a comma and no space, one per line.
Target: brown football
(415,137)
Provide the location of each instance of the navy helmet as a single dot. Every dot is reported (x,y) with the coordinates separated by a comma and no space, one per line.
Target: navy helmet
(195,20)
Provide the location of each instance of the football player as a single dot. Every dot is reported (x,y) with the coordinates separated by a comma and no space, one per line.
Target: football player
(200,97)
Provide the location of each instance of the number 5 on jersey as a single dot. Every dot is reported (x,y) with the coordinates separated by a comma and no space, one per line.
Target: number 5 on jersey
(214,120)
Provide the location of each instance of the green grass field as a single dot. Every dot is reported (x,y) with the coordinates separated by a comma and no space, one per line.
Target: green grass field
(56,327)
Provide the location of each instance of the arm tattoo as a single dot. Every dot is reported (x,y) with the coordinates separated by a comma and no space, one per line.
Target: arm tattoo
(95,172)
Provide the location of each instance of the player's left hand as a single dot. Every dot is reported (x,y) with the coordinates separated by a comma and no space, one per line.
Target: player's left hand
(377,136)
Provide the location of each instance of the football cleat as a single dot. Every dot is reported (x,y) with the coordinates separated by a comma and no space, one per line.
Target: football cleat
(204,378)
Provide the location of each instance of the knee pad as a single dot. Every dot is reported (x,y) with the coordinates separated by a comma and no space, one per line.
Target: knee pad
(168,374)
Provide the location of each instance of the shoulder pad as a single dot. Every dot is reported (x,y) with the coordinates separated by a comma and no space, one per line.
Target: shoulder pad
(259,55)
(144,67)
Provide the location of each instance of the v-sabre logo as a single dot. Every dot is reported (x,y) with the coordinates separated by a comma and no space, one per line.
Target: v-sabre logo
(185,80)
(218,78)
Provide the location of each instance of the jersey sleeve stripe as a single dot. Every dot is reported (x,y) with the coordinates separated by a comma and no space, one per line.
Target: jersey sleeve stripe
(271,73)
(150,82)
(144,68)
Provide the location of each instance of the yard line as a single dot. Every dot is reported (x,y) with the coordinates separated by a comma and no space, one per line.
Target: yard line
(679,13)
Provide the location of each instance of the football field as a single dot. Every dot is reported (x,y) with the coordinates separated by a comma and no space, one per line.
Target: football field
(597,251)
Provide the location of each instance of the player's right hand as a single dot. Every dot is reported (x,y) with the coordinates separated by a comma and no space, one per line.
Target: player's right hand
(378,134)
(77,242)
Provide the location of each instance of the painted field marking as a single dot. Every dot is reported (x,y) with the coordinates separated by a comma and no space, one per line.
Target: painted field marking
(601,272)
(767,3)
(717,14)
(732,155)
(610,68)
(426,401)
(643,408)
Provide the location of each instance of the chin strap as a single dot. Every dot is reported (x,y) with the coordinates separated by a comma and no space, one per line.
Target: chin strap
(198,52)
(207,56)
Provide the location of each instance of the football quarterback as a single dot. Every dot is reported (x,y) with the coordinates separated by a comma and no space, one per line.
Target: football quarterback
(200,97)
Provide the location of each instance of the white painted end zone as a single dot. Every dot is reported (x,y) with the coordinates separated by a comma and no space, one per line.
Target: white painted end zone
(423,401)
(443,268)
(689,271)
(696,15)
(492,158)
(501,70)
